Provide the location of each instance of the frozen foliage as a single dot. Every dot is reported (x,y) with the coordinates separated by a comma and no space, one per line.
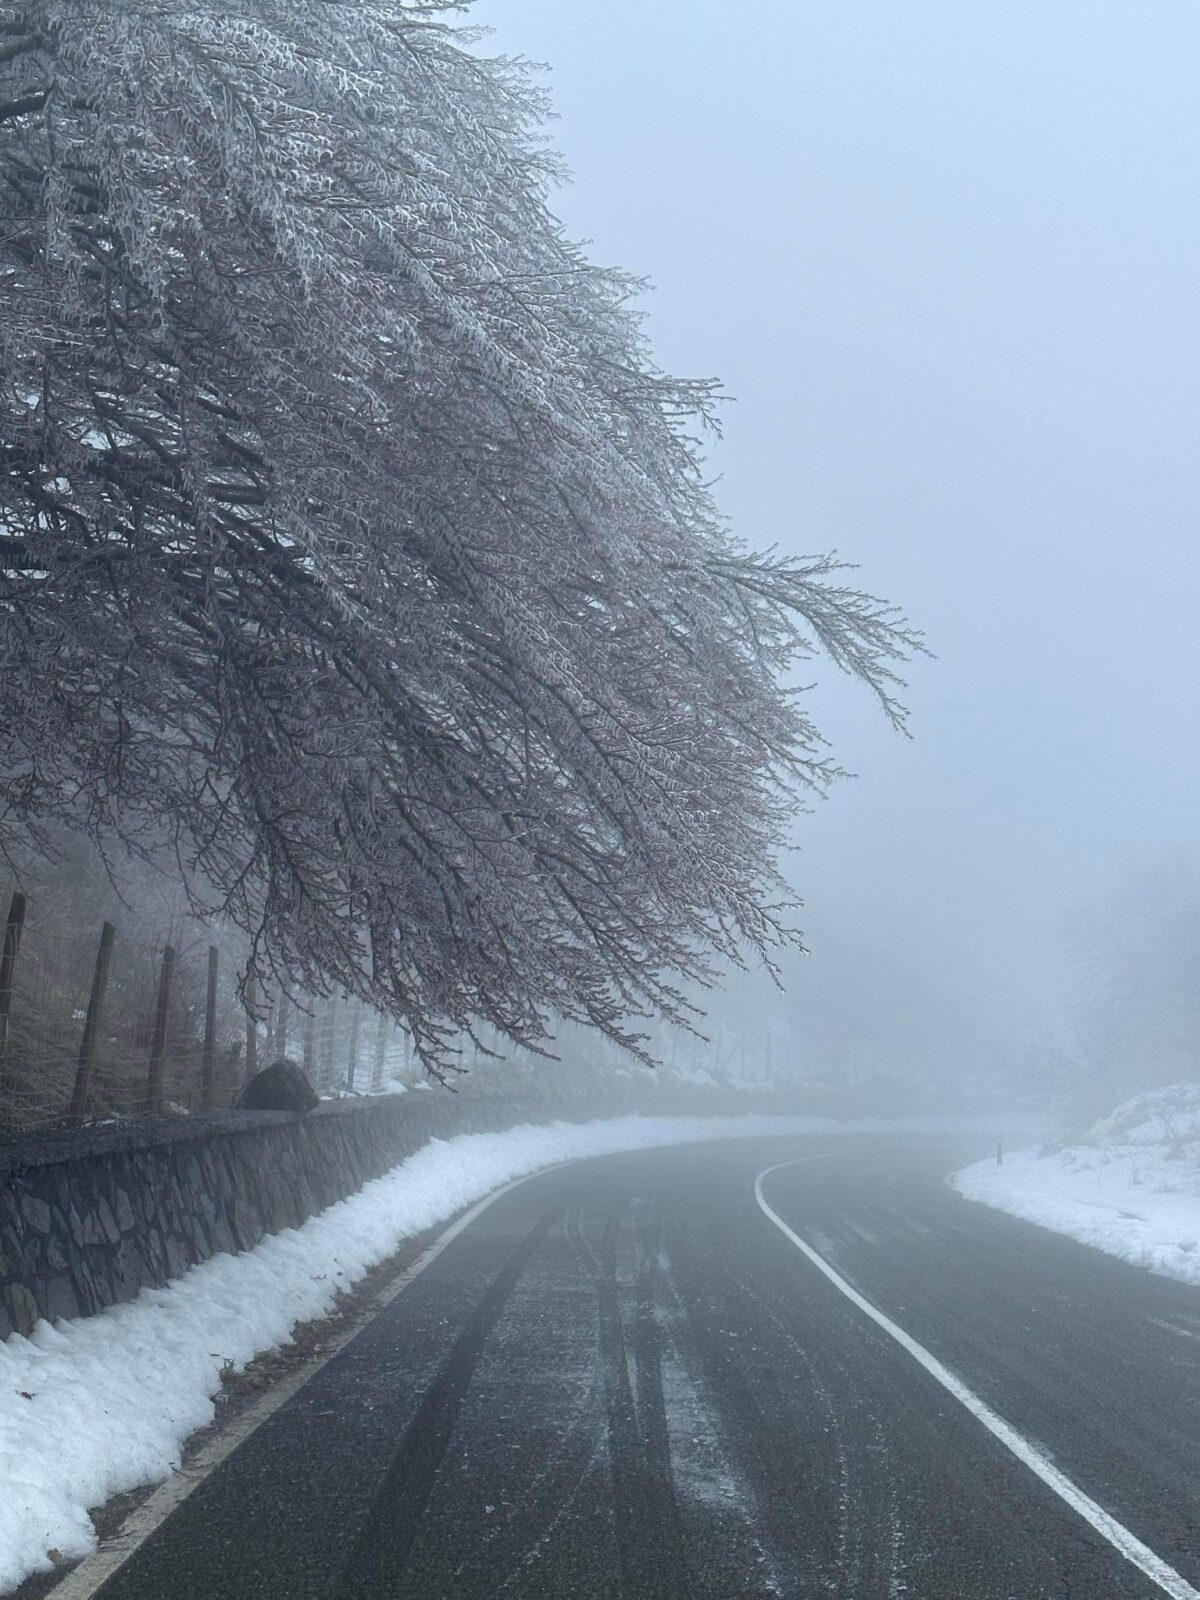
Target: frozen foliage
(351,544)
(93,1407)
(1131,1186)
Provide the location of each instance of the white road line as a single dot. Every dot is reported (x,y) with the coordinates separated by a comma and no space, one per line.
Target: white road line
(1117,1535)
(82,1582)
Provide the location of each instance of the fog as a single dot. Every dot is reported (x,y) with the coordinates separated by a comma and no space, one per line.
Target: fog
(944,257)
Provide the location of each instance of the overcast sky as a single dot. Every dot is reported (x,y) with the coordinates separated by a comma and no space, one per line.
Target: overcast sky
(944,255)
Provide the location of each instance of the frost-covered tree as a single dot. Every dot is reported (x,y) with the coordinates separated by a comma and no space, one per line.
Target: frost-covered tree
(350,542)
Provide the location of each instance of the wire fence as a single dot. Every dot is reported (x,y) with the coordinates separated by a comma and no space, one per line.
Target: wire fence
(108,1022)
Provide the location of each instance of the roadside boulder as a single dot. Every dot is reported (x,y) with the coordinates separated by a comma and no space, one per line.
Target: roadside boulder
(280,1087)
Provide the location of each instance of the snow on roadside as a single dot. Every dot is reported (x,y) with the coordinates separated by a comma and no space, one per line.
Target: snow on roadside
(1130,1187)
(97,1405)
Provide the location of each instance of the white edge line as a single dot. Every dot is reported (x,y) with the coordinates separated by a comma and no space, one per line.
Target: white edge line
(82,1581)
(1117,1535)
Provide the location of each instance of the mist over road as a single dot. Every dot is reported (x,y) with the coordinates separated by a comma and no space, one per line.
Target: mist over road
(623,1379)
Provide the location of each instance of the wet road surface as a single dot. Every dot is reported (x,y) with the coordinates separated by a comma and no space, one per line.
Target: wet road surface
(622,1380)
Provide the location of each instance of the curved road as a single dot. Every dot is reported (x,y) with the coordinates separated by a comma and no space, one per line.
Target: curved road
(624,1379)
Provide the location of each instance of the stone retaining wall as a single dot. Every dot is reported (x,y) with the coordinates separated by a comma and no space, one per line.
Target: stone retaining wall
(89,1218)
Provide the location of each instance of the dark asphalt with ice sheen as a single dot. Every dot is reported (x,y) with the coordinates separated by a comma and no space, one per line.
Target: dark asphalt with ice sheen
(623,1381)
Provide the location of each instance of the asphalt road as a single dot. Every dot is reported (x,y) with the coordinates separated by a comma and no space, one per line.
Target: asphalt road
(623,1380)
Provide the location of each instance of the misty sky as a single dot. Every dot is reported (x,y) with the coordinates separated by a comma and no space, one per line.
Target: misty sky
(944,255)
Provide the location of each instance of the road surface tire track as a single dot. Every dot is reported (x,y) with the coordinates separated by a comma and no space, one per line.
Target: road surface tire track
(375,1566)
(648,1531)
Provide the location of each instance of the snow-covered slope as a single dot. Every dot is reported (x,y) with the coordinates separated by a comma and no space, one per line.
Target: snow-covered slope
(1131,1186)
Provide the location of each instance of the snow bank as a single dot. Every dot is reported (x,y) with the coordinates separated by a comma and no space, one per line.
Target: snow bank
(1130,1187)
(95,1406)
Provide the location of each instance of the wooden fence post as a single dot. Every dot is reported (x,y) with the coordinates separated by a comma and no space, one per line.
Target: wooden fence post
(13,929)
(158,1045)
(207,1060)
(352,1061)
(251,997)
(91,1026)
(381,1033)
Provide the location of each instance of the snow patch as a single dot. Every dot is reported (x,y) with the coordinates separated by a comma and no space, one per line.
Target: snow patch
(1130,1186)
